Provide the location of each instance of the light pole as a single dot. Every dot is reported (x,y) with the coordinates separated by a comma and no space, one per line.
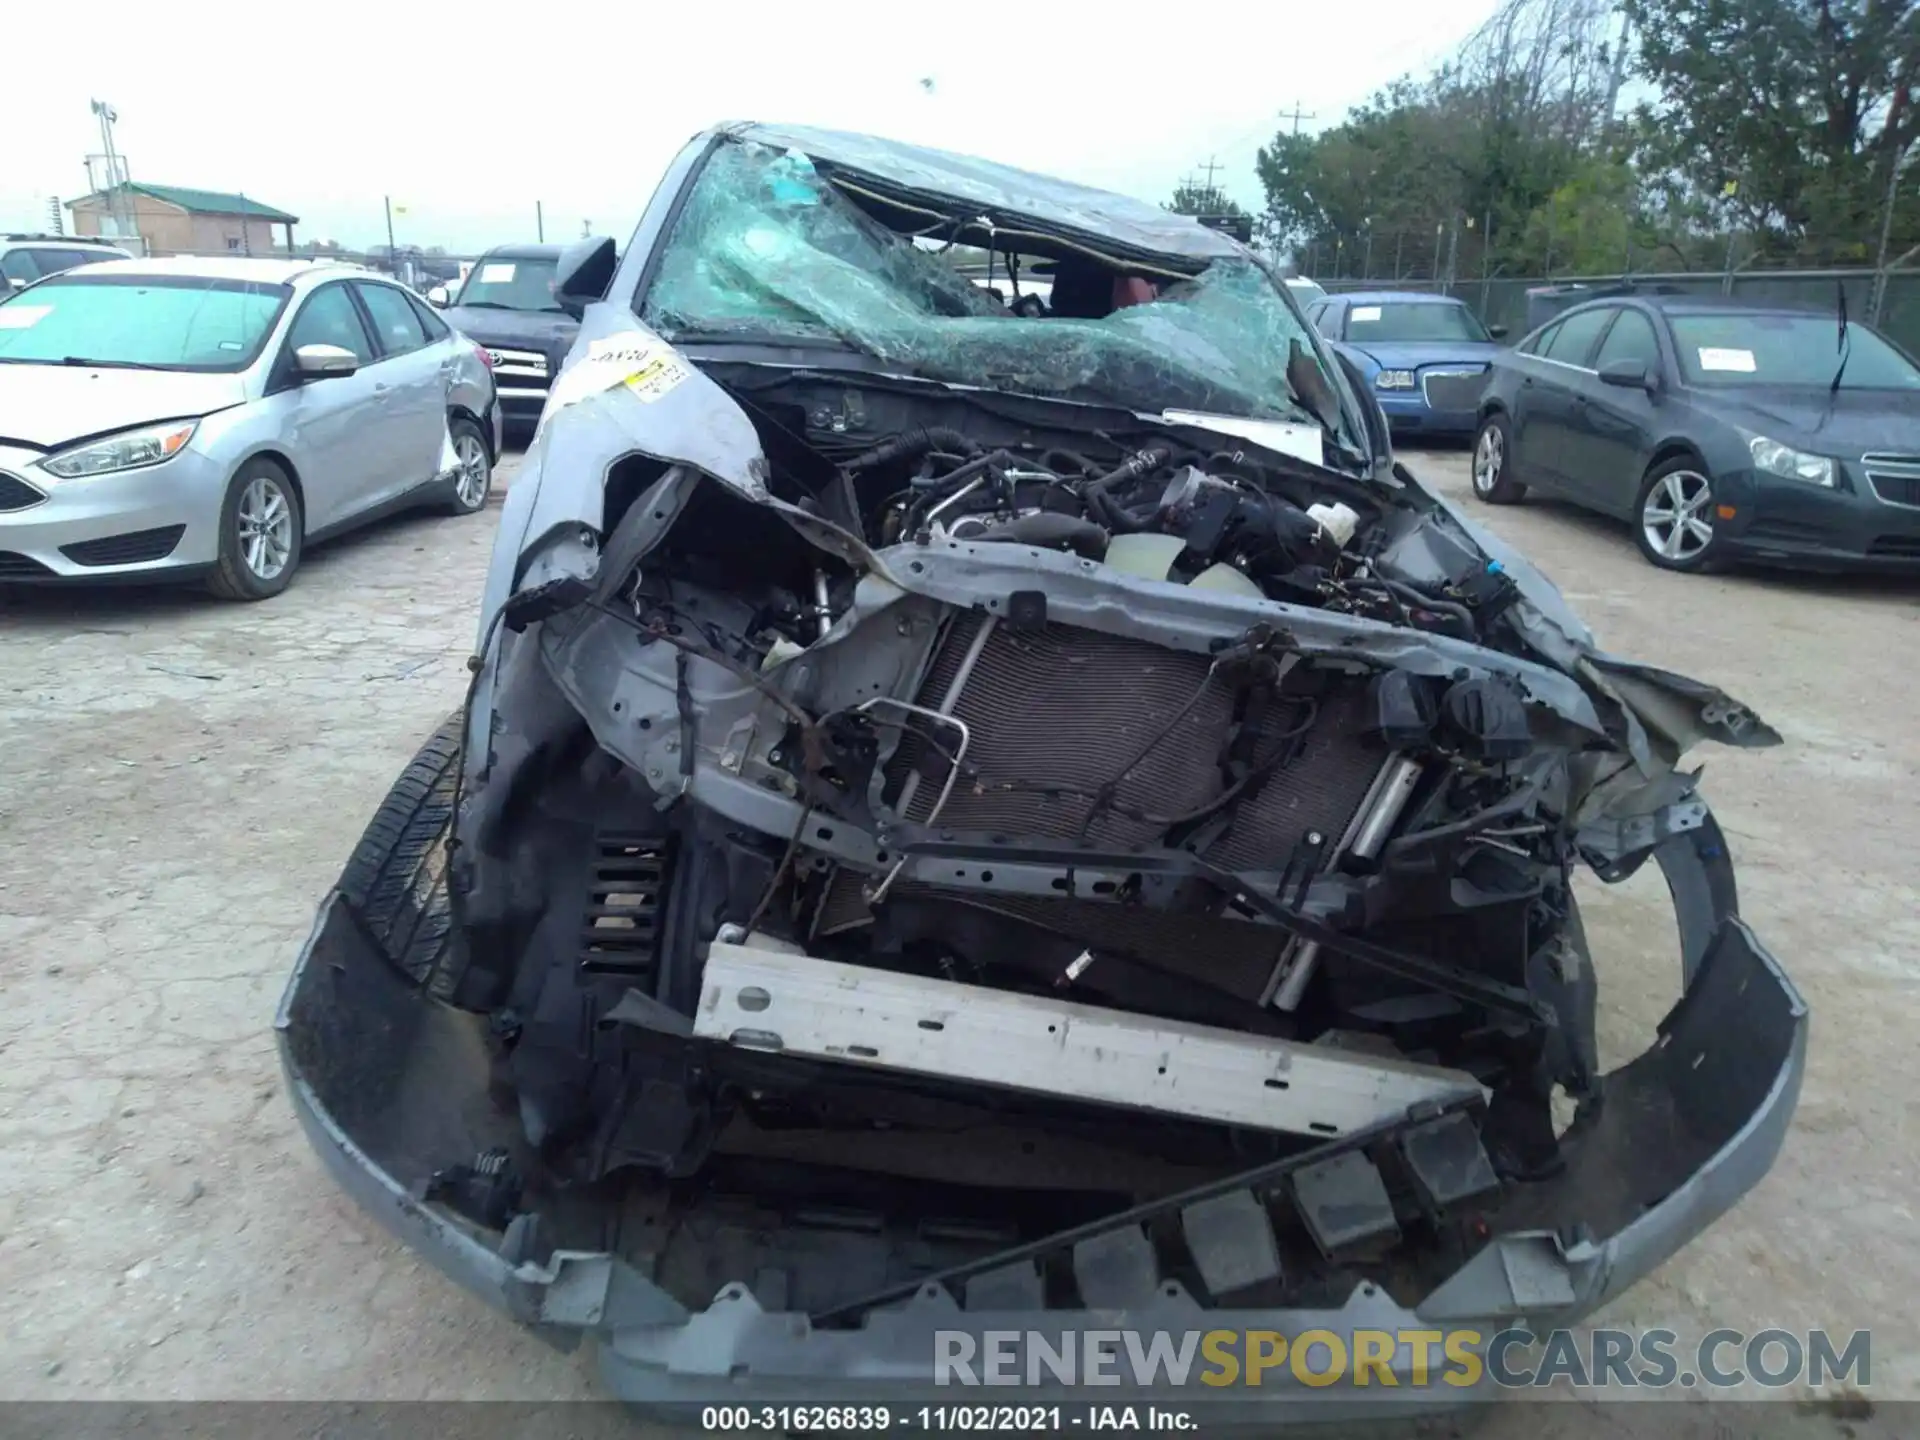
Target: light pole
(1886,234)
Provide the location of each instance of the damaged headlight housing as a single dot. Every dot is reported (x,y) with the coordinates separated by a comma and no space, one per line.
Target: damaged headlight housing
(129,450)
(1777,459)
(1393,380)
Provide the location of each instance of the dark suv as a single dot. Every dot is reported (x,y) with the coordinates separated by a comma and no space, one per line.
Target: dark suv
(507,305)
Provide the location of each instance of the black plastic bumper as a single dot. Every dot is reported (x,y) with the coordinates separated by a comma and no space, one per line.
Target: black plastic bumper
(1795,525)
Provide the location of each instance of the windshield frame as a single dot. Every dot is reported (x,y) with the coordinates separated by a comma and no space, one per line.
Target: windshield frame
(90,277)
(1825,328)
(659,225)
(551,264)
(1456,307)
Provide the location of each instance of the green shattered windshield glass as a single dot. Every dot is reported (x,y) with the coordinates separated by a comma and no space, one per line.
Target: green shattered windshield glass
(766,248)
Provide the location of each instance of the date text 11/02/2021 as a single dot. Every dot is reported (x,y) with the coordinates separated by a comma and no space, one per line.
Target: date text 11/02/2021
(786,1419)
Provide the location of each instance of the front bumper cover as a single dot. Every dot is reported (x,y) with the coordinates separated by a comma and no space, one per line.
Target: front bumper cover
(390,1085)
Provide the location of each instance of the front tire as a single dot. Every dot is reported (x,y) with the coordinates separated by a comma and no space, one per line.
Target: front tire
(1673,517)
(261,533)
(1493,479)
(474,479)
(396,878)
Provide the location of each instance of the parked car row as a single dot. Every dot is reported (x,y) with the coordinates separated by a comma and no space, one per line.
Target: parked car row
(1724,431)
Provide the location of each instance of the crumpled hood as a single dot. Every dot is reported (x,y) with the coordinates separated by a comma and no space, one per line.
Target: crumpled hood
(50,406)
(628,392)
(1848,424)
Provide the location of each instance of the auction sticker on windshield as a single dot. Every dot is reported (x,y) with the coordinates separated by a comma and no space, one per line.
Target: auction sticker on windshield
(495,274)
(1365,312)
(19,317)
(1715,359)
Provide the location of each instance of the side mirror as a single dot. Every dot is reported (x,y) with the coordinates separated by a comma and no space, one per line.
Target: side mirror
(1498,332)
(439,297)
(1627,374)
(321,362)
(584,270)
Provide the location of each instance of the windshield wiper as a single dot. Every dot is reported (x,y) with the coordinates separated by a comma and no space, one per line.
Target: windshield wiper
(110,364)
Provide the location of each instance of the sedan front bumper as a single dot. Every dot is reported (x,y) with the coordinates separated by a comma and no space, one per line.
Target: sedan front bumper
(1407,412)
(1790,523)
(160,521)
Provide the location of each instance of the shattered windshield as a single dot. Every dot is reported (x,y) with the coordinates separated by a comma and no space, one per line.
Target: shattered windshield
(766,248)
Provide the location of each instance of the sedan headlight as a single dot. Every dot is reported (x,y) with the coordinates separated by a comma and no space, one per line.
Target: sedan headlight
(129,450)
(1777,459)
(1393,380)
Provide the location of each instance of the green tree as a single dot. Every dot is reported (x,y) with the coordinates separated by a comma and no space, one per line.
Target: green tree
(1786,117)
(1452,169)
(1191,199)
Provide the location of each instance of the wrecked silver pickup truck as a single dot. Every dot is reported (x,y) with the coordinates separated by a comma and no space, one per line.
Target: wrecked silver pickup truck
(976,812)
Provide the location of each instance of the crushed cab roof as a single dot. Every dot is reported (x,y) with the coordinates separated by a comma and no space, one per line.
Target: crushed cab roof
(1002,191)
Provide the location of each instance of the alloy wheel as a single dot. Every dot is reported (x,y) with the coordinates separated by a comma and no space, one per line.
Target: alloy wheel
(265,520)
(475,475)
(1677,515)
(1489,456)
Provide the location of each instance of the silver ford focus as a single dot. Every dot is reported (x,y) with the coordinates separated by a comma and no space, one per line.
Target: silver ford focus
(209,419)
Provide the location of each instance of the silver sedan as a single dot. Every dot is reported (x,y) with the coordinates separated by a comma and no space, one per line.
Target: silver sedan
(209,419)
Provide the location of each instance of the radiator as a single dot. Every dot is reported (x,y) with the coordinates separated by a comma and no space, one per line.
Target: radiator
(1067,707)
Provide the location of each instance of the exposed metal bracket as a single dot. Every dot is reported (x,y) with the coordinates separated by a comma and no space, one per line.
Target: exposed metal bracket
(761,999)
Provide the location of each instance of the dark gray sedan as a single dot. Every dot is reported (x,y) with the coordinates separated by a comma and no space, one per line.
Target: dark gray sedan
(1723,431)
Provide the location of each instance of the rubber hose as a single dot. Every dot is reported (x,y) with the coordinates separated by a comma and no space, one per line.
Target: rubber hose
(912,443)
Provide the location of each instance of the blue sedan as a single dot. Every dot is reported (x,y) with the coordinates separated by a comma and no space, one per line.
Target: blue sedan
(1426,356)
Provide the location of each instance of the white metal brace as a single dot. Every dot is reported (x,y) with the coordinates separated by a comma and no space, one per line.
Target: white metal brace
(765,996)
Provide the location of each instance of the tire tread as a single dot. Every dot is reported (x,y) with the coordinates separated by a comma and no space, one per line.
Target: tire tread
(396,876)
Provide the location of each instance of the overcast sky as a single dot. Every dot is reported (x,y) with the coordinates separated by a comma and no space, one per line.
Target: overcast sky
(467,115)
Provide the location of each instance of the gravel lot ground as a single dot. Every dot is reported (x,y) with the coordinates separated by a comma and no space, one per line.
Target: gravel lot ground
(182,781)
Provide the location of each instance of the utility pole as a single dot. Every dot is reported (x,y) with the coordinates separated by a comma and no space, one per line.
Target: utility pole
(1212,200)
(1299,115)
(393,263)
(116,171)
(539,222)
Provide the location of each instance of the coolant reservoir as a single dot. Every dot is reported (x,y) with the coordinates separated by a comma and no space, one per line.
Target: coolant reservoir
(1150,557)
(1339,521)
